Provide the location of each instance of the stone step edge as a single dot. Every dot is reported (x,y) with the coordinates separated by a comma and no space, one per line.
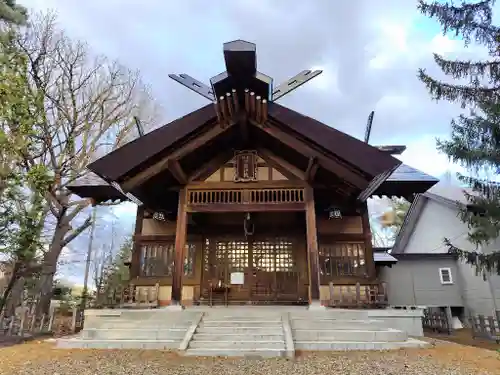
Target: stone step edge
(344,321)
(136,329)
(80,339)
(212,342)
(302,330)
(242,321)
(237,349)
(409,342)
(236,352)
(278,328)
(237,334)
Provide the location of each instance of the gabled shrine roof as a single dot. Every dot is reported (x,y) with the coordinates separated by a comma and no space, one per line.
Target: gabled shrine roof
(366,158)
(244,114)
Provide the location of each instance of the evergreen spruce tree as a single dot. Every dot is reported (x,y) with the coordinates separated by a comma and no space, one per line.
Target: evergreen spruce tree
(11,12)
(475,139)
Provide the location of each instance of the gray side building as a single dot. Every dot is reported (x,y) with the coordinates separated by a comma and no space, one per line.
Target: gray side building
(425,274)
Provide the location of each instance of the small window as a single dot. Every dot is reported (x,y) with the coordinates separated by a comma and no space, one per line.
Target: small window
(445,276)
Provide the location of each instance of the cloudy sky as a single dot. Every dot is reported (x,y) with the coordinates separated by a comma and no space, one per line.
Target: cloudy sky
(369,50)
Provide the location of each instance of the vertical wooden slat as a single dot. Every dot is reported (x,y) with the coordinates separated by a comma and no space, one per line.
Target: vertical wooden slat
(312,246)
(42,322)
(23,319)
(180,248)
(11,325)
(369,262)
(32,323)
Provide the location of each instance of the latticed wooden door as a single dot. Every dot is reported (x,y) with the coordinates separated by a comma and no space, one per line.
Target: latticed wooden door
(222,257)
(269,265)
(275,276)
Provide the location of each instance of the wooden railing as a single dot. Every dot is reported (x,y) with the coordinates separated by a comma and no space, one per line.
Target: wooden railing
(272,196)
(25,323)
(130,296)
(437,321)
(487,327)
(358,296)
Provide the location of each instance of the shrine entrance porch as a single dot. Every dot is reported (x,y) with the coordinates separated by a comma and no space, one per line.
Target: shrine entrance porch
(254,263)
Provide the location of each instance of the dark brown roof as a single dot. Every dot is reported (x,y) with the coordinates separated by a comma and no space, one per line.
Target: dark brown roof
(366,158)
(120,161)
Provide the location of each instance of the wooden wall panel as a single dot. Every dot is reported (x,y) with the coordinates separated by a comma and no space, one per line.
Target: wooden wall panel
(215,177)
(152,227)
(263,173)
(348,224)
(277,176)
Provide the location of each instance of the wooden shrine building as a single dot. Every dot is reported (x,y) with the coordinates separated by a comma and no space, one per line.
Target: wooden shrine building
(247,201)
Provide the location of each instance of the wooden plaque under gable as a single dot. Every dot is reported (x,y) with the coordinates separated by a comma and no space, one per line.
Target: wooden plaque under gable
(245,168)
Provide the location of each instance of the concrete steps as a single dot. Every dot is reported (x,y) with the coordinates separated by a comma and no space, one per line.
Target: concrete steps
(327,332)
(146,329)
(386,335)
(356,345)
(238,335)
(344,324)
(240,331)
(263,352)
(134,333)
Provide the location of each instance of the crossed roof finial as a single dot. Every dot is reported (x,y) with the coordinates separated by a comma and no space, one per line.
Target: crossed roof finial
(241,73)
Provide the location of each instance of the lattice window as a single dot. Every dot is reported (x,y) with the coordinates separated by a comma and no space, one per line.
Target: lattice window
(342,259)
(232,254)
(245,168)
(189,261)
(158,260)
(273,256)
(237,255)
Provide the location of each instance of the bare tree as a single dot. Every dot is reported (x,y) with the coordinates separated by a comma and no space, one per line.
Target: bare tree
(88,106)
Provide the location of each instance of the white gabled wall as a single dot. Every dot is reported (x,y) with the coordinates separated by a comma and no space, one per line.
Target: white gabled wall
(436,222)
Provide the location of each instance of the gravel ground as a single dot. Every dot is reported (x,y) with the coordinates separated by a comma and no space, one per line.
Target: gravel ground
(42,358)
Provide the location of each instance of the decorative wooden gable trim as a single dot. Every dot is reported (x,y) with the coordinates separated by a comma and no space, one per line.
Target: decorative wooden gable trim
(249,166)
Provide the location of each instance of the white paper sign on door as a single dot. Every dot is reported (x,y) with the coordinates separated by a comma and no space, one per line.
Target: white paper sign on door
(237,278)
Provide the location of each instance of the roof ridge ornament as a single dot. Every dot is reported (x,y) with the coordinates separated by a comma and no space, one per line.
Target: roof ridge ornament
(241,74)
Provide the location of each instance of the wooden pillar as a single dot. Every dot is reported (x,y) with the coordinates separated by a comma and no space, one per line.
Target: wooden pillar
(135,262)
(312,247)
(367,232)
(180,249)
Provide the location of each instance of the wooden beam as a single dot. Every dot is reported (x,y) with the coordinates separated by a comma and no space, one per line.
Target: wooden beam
(312,168)
(210,167)
(370,263)
(285,168)
(187,148)
(312,246)
(202,185)
(244,130)
(180,249)
(136,250)
(175,168)
(238,207)
(337,167)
